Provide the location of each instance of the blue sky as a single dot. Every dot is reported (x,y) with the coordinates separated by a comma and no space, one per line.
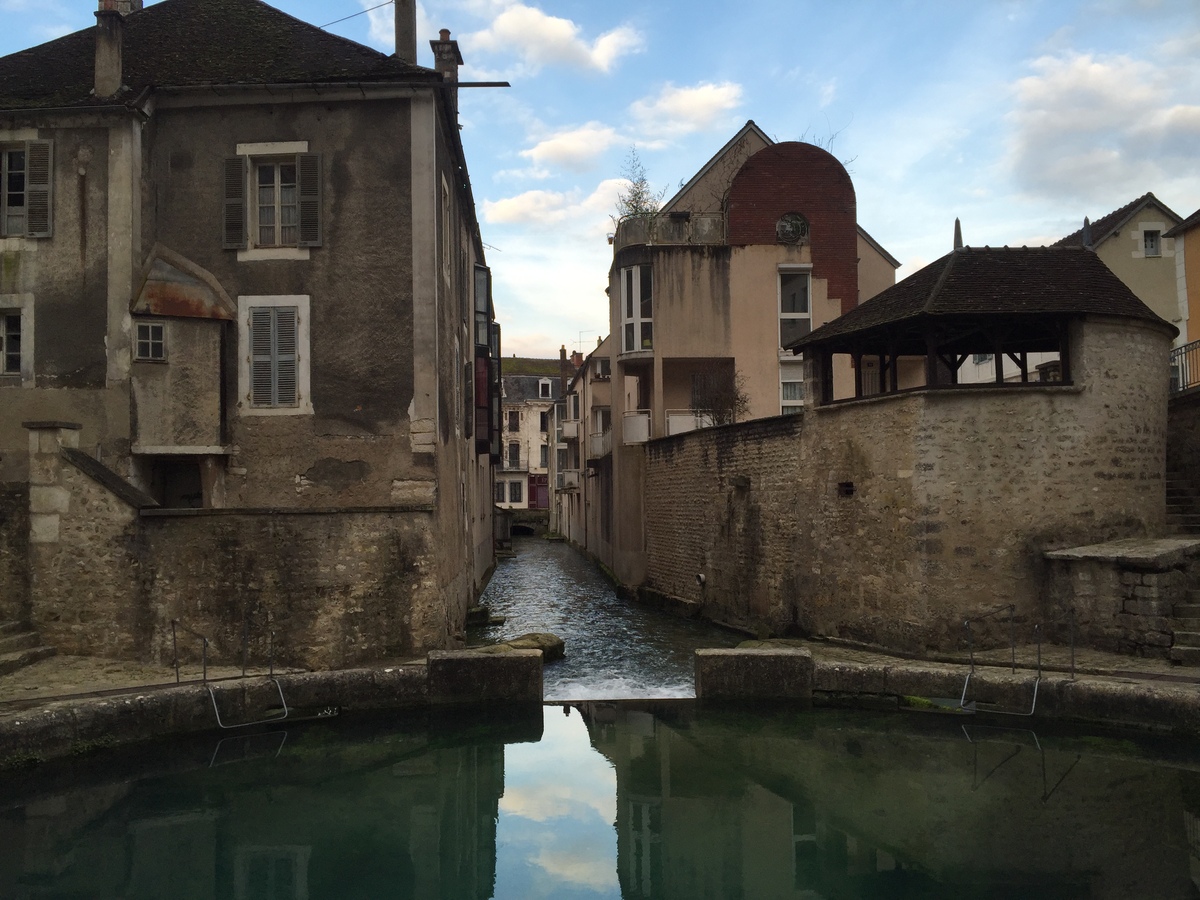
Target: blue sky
(1018,117)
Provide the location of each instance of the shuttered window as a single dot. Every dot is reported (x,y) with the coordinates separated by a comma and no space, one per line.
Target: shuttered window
(274,358)
(283,202)
(26,207)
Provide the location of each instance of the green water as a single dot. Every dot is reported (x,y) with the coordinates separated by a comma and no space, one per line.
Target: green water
(612,800)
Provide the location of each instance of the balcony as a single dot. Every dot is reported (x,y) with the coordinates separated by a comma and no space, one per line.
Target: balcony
(567,480)
(681,421)
(636,426)
(514,463)
(570,431)
(599,445)
(679,230)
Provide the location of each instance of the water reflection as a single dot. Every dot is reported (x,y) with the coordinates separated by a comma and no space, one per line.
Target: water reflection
(608,800)
(615,648)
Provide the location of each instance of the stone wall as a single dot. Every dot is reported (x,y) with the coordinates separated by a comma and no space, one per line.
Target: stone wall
(892,519)
(338,587)
(1183,437)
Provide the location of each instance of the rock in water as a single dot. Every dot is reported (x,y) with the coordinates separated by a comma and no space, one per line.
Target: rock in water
(551,645)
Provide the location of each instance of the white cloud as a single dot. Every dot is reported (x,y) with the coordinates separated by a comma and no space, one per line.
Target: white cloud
(579,865)
(576,148)
(547,209)
(678,111)
(540,39)
(1090,128)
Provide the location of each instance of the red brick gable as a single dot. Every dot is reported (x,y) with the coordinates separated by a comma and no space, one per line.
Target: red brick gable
(793,177)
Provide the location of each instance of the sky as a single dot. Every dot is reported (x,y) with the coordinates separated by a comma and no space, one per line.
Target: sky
(1019,117)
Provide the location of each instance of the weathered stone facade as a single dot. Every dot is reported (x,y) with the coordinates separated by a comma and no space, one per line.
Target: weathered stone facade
(892,519)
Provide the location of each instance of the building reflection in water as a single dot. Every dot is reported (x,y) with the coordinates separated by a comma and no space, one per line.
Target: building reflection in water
(827,806)
(723,806)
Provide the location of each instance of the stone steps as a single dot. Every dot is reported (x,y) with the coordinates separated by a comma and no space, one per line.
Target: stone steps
(1187,639)
(20,646)
(1186,656)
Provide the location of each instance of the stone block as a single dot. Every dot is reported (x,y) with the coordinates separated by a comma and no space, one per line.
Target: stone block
(463,676)
(849,678)
(1141,607)
(48,499)
(414,492)
(43,529)
(758,674)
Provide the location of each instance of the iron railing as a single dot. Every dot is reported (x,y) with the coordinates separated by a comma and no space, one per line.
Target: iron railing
(1185,367)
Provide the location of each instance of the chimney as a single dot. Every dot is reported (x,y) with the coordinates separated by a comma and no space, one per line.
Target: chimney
(447,59)
(958,244)
(1086,237)
(406,31)
(110,38)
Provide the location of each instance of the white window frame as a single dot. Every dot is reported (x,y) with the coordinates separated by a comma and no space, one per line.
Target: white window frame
(631,309)
(149,341)
(254,154)
(20,305)
(516,487)
(792,373)
(302,305)
(544,389)
(1155,251)
(781,316)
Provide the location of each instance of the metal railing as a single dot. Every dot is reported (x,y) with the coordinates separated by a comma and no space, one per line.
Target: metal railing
(1185,367)
(177,626)
(1038,636)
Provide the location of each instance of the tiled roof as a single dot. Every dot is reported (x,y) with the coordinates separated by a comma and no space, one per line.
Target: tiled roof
(1186,225)
(519,388)
(992,281)
(1106,226)
(187,43)
(527,365)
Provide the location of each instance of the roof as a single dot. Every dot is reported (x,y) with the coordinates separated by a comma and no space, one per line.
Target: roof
(994,281)
(895,263)
(193,43)
(522,388)
(1186,225)
(1106,226)
(528,365)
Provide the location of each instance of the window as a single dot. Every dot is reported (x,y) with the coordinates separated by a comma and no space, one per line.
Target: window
(545,421)
(603,367)
(284,211)
(514,420)
(514,455)
(25,195)
(498,492)
(10,336)
(574,401)
(544,461)
(273,368)
(151,342)
(791,389)
(544,388)
(980,359)
(795,315)
(514,492)
(637,308)
(1151,243)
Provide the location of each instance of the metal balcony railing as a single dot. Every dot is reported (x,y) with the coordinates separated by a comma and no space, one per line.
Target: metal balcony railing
(1185,367)
(514,463)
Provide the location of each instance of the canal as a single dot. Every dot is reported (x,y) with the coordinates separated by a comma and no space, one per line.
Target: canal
(616,648)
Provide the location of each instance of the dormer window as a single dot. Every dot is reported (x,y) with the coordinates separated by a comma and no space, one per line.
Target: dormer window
(544,389)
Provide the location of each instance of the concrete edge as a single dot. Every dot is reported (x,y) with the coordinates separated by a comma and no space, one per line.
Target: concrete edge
(79,726)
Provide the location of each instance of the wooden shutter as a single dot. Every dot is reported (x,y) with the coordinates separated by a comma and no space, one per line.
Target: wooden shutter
(261,368)
(235,203)
(39,186)
(308,174)
(286,357)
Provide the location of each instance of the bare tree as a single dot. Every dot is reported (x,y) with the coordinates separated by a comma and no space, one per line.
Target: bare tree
(720,396)
(639,199)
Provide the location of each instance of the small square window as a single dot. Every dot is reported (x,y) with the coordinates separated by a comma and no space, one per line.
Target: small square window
(151,344)
(1151,243)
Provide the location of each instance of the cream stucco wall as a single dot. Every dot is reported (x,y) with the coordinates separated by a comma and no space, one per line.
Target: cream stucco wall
(1153,279)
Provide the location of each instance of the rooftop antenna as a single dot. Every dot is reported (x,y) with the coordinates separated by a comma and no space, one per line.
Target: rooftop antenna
(958,244)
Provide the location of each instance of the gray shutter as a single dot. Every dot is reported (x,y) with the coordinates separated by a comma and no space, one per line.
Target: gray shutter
(261,368)
(308,169)
(235,203)
(39,186)
(286,357)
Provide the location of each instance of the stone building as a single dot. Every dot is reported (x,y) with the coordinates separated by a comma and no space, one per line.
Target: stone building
(891,516)
(530,388)
(249,339)
(759,247)
(583,486)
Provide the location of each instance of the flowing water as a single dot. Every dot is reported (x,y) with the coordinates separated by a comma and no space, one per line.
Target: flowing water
(615,648)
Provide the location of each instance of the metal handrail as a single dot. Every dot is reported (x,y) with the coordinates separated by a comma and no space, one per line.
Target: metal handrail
(1038,632)
(1185,367)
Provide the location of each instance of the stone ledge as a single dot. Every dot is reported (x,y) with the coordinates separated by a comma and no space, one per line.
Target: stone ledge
(1143,553)
(755,674)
